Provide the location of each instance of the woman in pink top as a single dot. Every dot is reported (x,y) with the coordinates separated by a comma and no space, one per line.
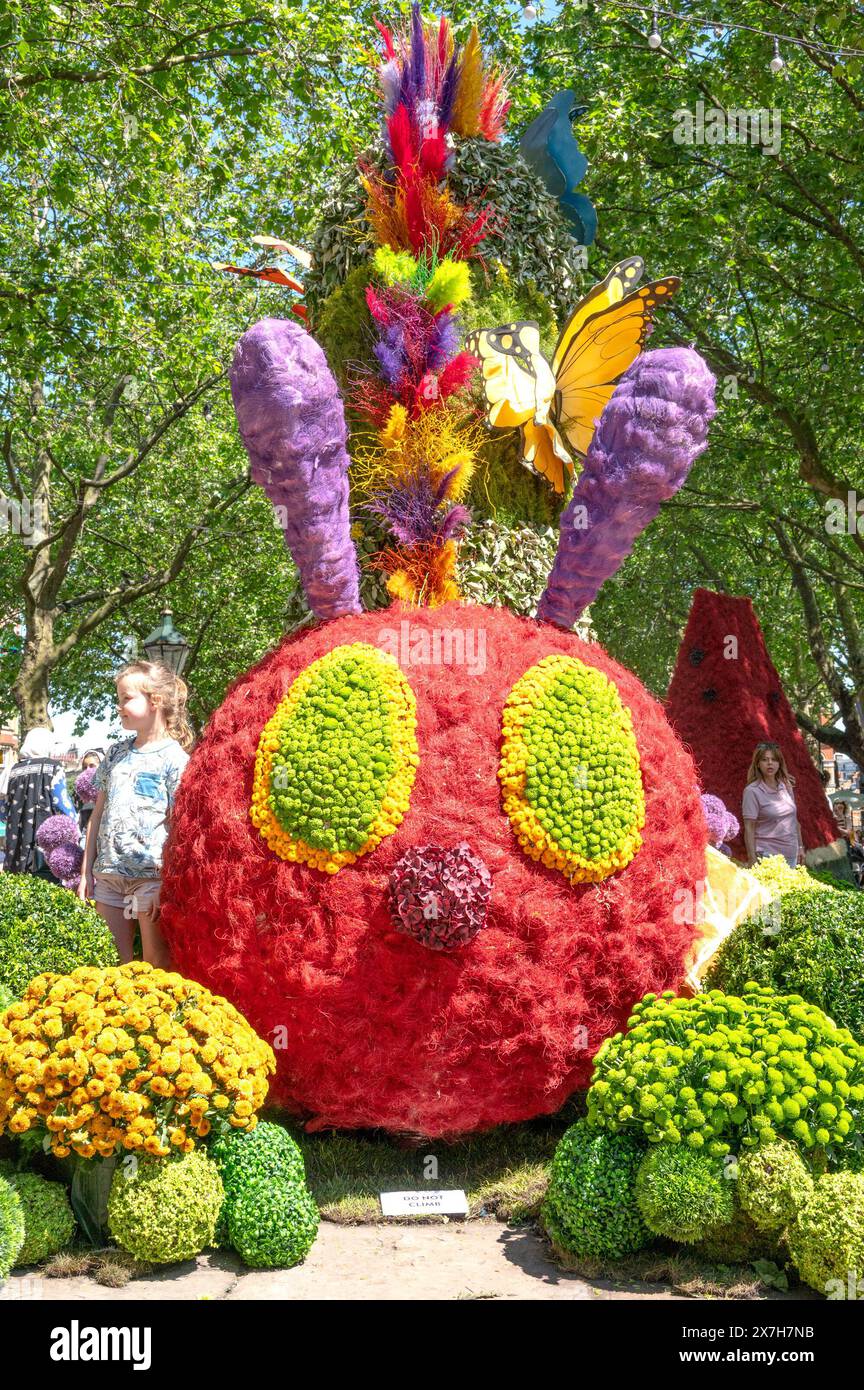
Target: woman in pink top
(770,815)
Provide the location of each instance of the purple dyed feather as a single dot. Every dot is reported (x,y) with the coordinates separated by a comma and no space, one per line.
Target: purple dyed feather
(443,342)
(412,510)
(391,356)
(418,53)
(292,423)
(448,92)
(653,428)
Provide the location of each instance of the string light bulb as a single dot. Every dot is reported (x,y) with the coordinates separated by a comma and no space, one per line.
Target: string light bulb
(777,64)
(529,12)
(654,38)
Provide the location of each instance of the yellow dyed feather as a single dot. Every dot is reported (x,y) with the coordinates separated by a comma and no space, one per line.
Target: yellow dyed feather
(469,93)
(450,283)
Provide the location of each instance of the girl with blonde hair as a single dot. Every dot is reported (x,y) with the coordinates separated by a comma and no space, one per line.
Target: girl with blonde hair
(770,814)
(136,784)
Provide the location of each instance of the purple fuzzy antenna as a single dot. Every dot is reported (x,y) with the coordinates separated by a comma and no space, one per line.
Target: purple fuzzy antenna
(293,425)
(652,429)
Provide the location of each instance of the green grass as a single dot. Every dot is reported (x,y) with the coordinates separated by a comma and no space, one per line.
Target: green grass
(503,1173)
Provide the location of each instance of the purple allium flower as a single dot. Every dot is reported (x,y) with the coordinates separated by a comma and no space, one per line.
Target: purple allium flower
(64,861)
(57,830)
(85,784)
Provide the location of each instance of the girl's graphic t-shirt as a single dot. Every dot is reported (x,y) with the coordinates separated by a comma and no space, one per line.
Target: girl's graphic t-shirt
(140,786)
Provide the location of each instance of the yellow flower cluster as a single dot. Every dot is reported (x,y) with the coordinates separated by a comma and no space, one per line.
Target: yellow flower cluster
(127,1058)
(570,772)
(336,763)
(438,442)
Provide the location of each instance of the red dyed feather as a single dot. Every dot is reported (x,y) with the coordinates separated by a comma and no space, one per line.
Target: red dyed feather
(389,50)
(402,140)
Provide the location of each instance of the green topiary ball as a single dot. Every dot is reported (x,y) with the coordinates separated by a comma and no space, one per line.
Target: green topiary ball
(272,1223)
(682,1193)
(589,1208)
(773,1183)
(49,1223)
(44,927)
(737,1242)
(268,1151)
(11,1227)
(817,953)
(165,1209)
(826,1239)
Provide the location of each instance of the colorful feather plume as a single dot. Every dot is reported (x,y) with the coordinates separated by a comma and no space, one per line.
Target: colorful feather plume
(414,467)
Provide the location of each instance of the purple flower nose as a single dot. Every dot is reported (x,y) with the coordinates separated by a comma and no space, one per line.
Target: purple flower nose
(440,896)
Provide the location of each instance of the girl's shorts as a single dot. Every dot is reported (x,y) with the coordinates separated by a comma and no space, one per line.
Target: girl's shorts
(134,895)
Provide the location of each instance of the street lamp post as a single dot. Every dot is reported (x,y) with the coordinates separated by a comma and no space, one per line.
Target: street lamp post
(166,645)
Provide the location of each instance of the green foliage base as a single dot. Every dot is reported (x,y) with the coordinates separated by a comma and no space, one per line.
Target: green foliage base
(773,1185)
(589,1208)
(44,927)
(738,1241)
(49,1223)
(267,1152)
(11,1227)
(817,953)
(826,1241)
(167,1208)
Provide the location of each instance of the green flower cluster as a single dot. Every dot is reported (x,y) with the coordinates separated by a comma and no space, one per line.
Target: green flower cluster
(583,779)
(266,1153)
(44,927)
(818,953)
(11,1227)
(49,1223)
(721,1072)
(165,1209)
(589,1208)
(335,758)
(826,1239)
(683,1194)
(773,872)
(273,1225)
(773,1183)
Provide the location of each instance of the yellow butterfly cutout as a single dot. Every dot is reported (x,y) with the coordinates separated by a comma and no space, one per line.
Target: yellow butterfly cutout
(558,404)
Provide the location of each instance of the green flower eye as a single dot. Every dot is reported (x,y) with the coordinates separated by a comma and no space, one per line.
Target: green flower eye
(570,771)
(337,761)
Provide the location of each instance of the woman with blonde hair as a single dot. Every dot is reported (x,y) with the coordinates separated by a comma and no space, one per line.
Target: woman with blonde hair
(770,814)
(136,785)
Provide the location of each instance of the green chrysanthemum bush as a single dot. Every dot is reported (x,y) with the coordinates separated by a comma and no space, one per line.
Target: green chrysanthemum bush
(43,928)
(773,872)
(165,1209)
(272,1224)
(11,1227)
(720,1073)
(590,1209)
(49,1223)
(826,1239)
(773,1183)
(267,1153)
(818,952)
(683,1194)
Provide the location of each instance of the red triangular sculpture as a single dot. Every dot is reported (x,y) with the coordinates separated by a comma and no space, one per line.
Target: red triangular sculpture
(725,697)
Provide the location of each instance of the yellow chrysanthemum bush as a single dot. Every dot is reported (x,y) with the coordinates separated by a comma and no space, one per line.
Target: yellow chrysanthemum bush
(128,1058)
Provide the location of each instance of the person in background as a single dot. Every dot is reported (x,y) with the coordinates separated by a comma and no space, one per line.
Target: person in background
(843,819)
(136,785)
(89,762)
(769,811)
(36,790)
